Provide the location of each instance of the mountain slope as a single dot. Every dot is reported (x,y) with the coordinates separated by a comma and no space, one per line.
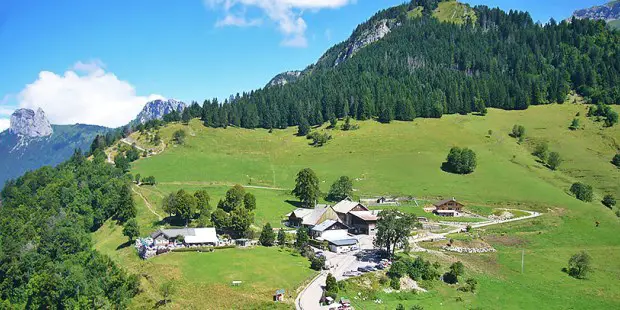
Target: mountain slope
(446,58)
(609,12)
(21,154)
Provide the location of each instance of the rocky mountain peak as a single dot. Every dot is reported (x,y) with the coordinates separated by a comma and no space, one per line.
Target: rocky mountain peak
(607,12)
(156,109)
(29,123)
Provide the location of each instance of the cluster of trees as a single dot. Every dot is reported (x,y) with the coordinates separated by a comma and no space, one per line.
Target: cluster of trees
(550,159)
(393,229)
(46,255)
(125,156)
(308,191)
(418,269)
(605,112)
(235,213)
(582,191)
(425,68)
(150,180)
(319,138)
(186,206)
(460,160)
(609,201)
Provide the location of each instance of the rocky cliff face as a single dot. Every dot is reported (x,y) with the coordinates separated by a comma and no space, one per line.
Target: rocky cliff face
(379,30)
(285,78)
(607,12)
(156,109)
(30,124)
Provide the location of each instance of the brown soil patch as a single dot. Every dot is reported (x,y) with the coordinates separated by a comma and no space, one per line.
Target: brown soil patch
(505,240)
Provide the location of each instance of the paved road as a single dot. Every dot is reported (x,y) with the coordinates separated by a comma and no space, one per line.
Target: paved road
(309,297)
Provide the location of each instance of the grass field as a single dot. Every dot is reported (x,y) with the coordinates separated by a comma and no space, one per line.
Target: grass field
(404,158)
(454,12)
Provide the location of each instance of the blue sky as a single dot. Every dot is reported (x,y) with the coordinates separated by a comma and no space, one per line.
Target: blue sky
(84,61)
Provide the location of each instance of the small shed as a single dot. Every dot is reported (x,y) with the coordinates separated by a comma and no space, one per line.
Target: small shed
(279,295)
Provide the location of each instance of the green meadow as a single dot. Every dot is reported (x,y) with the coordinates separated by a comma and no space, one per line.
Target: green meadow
(405,158)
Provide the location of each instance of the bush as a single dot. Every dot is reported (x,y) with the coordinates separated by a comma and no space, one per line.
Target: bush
(518,131)
(554,160)
(541,150)
(319,139)
(574,125)
(232,246)
(317,262)
(395,283)
(179,136)
(397,270)
(582,191)
(616,160)
(461,160)
(609,201)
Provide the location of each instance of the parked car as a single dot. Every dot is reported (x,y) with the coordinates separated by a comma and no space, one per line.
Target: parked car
(380,267)
(362,269)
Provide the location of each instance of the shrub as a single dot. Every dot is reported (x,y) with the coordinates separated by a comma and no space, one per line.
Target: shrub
(395,283)
(179,136)
(317,262)
(397,270)
(541,150)
(616,160)
(197,249)
(518,131)
(582,191)
(554,160)
(574,125)
(609,201)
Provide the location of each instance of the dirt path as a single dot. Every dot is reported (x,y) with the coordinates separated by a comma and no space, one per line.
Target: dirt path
(146,202)
(198,183)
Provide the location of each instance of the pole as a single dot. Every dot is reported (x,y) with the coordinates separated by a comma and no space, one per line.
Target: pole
(522,259)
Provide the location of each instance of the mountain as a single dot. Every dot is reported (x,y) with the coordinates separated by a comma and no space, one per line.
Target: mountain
(156,109)
(609,12)
(428,58)
(31,142)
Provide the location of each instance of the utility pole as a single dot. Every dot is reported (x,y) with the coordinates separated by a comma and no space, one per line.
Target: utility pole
(522,259)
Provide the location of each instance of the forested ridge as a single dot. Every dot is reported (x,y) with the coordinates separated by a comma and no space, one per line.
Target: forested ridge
(46,255)
(427,68)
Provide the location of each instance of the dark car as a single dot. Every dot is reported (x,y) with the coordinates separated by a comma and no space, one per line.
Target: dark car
(380,267)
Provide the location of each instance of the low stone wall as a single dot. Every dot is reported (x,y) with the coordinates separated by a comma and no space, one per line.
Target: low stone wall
(467,250)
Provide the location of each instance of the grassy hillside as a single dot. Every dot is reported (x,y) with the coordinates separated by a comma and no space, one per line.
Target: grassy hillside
(405,158)
(615,24)
(454,12)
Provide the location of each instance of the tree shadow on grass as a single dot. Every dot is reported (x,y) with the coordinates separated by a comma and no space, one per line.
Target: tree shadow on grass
(172,221)
(294,203)
(446,167)
(123,245)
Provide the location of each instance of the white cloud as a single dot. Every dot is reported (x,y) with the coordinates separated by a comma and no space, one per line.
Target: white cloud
(85,94)
(4,124)
(238,21)
(287,14)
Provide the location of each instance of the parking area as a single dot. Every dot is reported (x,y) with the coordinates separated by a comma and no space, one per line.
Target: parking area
(351,264)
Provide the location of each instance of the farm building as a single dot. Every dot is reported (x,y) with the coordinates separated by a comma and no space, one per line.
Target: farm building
(344,207)
(342,245)
(193,236)
(329,228)
(364,222)
(311,217)
(448,207)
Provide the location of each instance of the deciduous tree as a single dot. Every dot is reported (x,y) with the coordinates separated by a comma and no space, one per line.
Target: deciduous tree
(307,187)
(393,229)
(342,188)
